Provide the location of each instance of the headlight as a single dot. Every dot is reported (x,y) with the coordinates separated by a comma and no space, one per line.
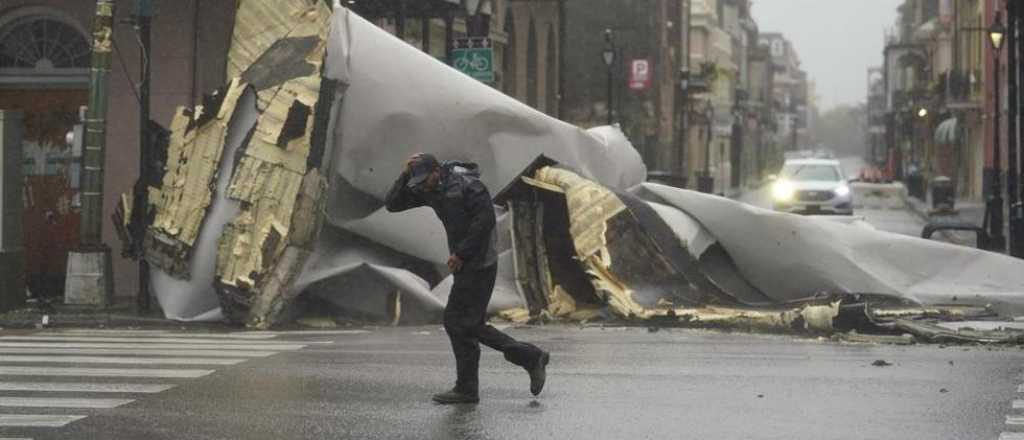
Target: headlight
(843,191)
(783,191)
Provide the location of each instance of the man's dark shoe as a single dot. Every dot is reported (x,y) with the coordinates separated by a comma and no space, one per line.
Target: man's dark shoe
(538,374)
(455,396)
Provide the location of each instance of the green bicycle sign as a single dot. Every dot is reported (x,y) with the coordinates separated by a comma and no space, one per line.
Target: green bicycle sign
(474,57)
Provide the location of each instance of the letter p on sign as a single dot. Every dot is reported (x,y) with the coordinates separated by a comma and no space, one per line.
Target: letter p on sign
(640,74)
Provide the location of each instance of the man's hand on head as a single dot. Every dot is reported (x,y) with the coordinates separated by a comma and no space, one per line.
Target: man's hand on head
(454,263)
(410,161)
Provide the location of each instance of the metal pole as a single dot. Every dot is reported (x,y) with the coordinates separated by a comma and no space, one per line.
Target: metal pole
(96,127)
(449,36)
(611,106)
(1014,236)
(995,207)
(400,20)
(1012,195)
(143,20)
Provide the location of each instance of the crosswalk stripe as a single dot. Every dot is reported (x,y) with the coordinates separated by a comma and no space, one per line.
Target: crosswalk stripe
(251,344)
(1011,436)
(109,331)
(14,438)
(137,351)
(102,372)
(120,360)
(279,347)
(1018,404)
(1015,420)
(62,402)
(161,334)
(36,420)
(310,332)
(83,387)
(1020,388)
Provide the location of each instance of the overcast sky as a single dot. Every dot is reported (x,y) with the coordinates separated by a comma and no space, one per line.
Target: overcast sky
(837,40)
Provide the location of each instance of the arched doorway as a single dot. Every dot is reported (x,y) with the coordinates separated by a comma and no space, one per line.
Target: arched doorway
(44,73)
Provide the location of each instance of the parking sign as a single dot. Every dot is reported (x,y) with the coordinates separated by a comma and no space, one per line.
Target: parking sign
(640,74)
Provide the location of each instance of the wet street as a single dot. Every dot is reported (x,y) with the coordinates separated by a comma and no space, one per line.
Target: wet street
(603,383)
(887,213)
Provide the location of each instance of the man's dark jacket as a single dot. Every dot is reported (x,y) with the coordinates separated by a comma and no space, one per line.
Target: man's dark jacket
(464,207)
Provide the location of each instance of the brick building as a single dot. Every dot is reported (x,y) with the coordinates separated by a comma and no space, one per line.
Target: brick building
(44,72)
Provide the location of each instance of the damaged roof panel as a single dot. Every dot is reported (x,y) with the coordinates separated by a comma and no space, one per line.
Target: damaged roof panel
(588,239)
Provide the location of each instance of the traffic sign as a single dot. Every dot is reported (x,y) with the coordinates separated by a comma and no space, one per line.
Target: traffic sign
(640,74)
(474,57)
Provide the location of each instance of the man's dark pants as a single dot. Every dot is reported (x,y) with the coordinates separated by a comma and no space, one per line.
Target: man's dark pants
(465,320)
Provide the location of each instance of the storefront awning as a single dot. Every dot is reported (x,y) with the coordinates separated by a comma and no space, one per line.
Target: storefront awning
(947,132)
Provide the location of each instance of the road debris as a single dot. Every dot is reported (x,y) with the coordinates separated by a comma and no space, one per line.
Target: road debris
(881,363)
(270,209)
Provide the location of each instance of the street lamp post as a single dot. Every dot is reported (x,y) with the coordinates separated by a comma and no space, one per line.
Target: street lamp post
(684,116)
(609,60)
(706,183)
(994,206)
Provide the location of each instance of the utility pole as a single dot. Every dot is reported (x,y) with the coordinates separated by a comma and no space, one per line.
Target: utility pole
(89,279)
(143,22)
(96,126)
(1012,139)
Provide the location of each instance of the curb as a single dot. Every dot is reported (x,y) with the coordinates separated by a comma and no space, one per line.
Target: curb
(35,319)
(949,236)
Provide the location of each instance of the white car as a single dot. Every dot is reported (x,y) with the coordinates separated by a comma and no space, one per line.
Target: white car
(812,186)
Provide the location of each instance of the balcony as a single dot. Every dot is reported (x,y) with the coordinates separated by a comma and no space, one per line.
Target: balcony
(961,90)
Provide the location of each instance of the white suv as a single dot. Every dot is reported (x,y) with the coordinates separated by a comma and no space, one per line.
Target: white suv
(812,186)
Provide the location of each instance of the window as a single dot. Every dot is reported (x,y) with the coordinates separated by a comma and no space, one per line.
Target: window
(37,42)
(807,172)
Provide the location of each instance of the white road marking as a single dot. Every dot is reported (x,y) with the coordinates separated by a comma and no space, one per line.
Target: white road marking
(137,351)
(119,360)
(14,438)
(1011,436)
(279,347)
(102,372)
(109,331)
(1015,420)
(36,421)
(1018,404)
(312,332)
(82,387)
(197,341)
(160,334)
(62,402)
(1020,388)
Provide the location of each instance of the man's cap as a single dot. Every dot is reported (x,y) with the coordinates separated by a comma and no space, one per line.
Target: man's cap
(421,168)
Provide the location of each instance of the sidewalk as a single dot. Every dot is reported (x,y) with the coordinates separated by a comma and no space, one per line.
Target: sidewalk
(966,212)
(121,314)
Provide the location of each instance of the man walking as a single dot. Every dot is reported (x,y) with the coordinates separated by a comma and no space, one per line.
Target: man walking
(464,206)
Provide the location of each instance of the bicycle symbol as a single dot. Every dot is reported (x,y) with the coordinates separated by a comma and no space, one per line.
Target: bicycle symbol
(474,62)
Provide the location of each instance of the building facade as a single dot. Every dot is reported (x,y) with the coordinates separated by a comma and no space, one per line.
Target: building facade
(647,37)
(50,85)
(937,81)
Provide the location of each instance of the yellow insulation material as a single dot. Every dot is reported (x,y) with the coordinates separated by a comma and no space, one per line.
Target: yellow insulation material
(192,161)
